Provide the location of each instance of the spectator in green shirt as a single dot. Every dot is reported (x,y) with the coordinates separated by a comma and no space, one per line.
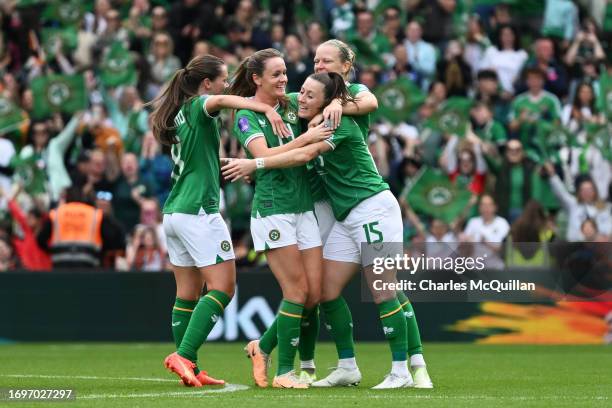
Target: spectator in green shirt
(486,127)
(513,183)
(533,107)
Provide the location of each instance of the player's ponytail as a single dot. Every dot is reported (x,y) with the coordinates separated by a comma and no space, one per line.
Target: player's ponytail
(334,87)
(185,84)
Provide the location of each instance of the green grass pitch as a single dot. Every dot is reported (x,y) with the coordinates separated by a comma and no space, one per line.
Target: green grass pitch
(465,375)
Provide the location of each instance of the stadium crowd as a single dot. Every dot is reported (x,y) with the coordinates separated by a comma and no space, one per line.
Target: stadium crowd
(532,147)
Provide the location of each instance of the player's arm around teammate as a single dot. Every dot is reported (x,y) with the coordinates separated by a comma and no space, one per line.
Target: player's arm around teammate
(282,218)
(365,211)
(199,244)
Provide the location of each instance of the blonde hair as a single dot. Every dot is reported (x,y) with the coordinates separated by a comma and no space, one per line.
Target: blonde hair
(346,53)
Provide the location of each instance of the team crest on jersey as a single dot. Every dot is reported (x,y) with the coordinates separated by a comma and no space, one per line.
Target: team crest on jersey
(274,235)
(291,117)
(243,124)
(262,123)
(225,246)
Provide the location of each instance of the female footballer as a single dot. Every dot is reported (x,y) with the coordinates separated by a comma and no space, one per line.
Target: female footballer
(282,219)
(365,212)
(199,244)
(336,56)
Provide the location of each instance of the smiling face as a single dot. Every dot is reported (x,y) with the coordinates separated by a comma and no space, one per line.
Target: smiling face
(327,59)
(310,99)
(273,80)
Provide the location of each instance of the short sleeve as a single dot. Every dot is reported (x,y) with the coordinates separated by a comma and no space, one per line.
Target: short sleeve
(356,89)
(246,127)
(196,111)
(342,133)
(204,99)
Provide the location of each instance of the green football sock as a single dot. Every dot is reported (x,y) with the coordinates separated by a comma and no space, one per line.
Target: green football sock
(309,333)
(340,324)
(414,336)
(205,315)
(269,339)
(289,319)
(394,327)
(181,314)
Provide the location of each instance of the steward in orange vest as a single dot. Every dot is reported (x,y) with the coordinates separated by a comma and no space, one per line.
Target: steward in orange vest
(77,232)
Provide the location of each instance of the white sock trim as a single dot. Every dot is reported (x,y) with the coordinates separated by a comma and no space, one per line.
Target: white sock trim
(349,363)
(307,364)
(417,360)
(400,368)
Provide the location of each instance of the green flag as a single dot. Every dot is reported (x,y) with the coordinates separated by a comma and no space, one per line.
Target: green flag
(30,173)
(398,99)
(58,93)
(66,12)
(118,67)
(549,139)
(12,118)
(434,194)
(67,36)
(452,116)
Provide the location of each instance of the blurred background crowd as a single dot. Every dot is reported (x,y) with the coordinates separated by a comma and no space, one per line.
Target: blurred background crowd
(493,120)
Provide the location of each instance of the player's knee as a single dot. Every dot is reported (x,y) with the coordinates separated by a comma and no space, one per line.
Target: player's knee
(297,292)
(330,293)
(188,293)
(228,288)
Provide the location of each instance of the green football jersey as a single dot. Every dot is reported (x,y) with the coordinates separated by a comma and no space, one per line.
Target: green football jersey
(547,108)
(363,121)
(348,170)
(195,176)
(277,191)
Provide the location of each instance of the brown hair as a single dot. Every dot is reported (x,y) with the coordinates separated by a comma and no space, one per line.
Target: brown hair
(530,224)
(184,85)
(242,83)
(334,86)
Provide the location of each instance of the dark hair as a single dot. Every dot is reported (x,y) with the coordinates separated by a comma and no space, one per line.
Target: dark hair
(528,226)
(30,136)
(184,85)
(576,101)
(242,81)
(498,42)
(487,74)
(334,86)
(534,71)
(76,194)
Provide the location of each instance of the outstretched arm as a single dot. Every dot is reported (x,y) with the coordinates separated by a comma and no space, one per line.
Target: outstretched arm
(235,169)
(215,103)
(259,148)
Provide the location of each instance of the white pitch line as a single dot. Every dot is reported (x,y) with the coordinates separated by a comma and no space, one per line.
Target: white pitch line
(88,377)
(227,388)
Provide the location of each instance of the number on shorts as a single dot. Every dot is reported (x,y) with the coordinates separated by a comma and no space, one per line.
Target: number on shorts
(371,232)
